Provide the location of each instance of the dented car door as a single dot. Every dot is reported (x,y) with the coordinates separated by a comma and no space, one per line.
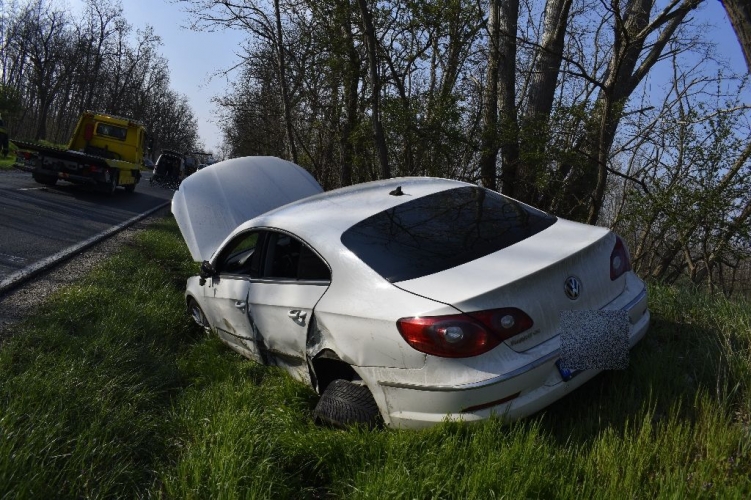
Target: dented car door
(281,302)
(228,290)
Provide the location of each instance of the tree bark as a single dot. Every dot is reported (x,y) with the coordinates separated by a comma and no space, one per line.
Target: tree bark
(351,80)
(509,16)
(371,45)
(739,13)
(287,107)
(489,141)
(540,96)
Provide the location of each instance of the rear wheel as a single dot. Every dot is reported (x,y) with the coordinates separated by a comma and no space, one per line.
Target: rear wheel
(344,403)
(130,188)
(110,187)
(47,180)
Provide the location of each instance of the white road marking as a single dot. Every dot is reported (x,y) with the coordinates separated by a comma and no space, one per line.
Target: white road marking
(12,258)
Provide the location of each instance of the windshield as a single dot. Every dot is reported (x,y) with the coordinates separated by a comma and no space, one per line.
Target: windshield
(440,231)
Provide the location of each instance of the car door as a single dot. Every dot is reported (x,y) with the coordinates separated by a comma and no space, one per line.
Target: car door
(293,279)
(227,292)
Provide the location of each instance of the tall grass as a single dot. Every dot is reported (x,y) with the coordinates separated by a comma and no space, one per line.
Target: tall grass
(111,391)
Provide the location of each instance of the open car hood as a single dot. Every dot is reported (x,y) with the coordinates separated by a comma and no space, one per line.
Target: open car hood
(212,202)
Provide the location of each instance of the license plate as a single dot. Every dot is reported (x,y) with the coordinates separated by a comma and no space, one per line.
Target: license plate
(566,374)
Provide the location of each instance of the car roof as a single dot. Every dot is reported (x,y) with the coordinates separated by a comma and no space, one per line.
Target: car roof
(321,219)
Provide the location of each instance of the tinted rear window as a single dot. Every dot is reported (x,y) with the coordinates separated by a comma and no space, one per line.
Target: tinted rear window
(440,231)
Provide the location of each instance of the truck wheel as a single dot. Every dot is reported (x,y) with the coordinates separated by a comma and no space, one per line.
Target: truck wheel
(47,180)
(343,404)
(130,188)
(111,186)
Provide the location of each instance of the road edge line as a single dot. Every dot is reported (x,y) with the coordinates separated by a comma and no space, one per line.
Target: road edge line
(28,272)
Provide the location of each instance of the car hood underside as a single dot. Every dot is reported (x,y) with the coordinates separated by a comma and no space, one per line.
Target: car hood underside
(212,202)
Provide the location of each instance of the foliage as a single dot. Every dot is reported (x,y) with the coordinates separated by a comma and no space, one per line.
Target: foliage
(690,217)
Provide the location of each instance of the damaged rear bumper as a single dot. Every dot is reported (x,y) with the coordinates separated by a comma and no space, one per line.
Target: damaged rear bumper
(512,395)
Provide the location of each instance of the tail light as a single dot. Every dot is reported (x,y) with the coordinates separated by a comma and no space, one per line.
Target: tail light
(463,335)
(620,262)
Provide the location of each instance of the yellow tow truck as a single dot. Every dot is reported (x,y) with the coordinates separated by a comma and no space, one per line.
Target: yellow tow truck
(105,152)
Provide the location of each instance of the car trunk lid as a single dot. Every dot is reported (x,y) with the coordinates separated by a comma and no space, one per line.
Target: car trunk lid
(531,275)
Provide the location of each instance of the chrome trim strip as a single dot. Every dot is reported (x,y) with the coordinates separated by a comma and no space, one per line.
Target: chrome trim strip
(476,385)
(501,378)
(636,300)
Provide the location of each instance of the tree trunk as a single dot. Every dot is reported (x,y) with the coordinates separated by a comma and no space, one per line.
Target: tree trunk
(585,190)
(540,96)
(509,16)
(286,105)
(371,44)
(351,80)
(489,141)
(739,13)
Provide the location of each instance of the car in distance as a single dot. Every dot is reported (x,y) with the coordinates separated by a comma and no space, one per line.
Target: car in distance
(407,301)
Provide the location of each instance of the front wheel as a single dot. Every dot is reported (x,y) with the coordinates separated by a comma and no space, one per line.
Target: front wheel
(198,316)
(344,403)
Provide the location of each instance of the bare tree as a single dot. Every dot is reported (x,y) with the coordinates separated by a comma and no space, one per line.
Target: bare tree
(46,44)
(251,16)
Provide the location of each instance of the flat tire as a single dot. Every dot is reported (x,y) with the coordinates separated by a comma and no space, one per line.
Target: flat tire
(344,404)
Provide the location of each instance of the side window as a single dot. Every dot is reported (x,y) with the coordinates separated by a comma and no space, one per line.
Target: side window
(288,258)
(241,257)
(311,267)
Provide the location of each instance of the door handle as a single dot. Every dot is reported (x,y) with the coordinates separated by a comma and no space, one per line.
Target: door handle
(240,304)
(298,315)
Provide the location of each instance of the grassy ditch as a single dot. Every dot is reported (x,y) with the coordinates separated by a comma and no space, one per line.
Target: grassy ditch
(111,391)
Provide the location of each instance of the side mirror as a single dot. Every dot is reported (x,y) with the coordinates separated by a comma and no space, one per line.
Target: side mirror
(207,271)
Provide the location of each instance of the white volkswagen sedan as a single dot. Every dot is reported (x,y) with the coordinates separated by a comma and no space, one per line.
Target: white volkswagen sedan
(406,301)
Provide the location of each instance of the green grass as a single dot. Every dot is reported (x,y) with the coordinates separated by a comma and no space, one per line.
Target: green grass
(110,391)
(7,162)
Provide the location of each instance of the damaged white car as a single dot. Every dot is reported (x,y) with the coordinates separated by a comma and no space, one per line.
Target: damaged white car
(406,301)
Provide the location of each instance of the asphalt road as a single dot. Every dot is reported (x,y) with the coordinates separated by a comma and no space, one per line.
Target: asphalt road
(37,221)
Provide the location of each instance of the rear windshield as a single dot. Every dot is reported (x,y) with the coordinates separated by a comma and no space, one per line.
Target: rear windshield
(112,131)
(440,231)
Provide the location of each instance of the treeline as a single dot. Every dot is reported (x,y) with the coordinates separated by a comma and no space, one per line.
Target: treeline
(54,66)
(554,102)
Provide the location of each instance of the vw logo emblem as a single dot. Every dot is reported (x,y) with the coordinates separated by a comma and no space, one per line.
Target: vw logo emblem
(572,287)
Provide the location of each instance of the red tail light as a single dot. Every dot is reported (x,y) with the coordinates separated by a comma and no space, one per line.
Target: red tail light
(463,335)
(620,261)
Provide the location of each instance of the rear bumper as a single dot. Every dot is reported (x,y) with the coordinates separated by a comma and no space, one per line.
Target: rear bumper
(515,394)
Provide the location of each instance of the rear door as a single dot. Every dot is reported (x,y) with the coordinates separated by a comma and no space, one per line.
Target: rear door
(281,302)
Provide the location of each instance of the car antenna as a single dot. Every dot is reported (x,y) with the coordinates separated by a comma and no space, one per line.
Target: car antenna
(397,191)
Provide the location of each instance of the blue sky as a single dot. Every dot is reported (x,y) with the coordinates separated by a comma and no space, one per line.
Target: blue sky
(194,57)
